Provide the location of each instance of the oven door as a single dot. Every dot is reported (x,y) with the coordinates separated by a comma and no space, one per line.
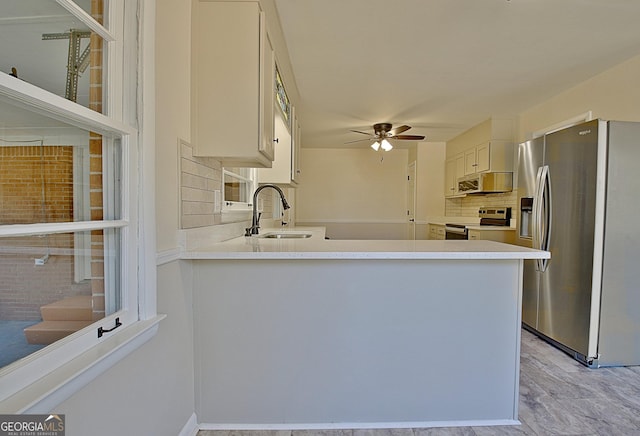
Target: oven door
(455,232)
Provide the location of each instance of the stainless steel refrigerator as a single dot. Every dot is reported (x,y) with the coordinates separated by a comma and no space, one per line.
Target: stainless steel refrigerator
(579,198)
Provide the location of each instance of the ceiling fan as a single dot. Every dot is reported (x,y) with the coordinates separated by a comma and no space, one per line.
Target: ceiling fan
(382,132)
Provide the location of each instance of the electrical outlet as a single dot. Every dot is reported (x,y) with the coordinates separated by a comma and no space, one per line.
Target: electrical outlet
(41,260)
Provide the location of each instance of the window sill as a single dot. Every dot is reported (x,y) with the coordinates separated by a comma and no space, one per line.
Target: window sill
(60,384)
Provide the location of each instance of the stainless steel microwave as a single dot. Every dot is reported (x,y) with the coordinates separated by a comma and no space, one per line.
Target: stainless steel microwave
(485,183)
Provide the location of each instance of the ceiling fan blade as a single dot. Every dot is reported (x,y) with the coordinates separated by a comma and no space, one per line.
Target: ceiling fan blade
(364,133)
(399,129)
(409,137)
(359,140)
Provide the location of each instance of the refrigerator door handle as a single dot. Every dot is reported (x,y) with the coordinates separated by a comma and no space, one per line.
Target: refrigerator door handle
(536,216)
(545,214)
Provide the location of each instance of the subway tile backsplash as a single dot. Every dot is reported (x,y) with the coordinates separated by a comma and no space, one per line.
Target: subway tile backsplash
(469,205)
(199,178)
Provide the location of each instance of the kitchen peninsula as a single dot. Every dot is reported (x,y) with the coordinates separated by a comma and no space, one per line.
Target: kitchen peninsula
(315,333)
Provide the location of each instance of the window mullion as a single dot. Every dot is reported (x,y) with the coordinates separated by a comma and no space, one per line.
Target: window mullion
(48,104)
(50,228)
(87,19)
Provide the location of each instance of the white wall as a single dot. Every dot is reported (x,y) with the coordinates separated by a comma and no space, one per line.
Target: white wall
(350,189)
(151,391)
(611,95)
(356,195)
(430,163)
(430,179)
(173,113)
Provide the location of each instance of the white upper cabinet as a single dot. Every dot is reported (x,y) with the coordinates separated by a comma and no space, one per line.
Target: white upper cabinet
(470,161)
(232,84)
(454,169)
(295,149)
(489,156)
(267,143)
(285,168)
(488,146)
(281,170)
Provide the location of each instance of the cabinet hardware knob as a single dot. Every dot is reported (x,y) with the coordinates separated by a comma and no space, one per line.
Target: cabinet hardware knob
(277,140)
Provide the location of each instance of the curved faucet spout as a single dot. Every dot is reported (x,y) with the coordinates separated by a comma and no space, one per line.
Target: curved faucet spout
(255,220)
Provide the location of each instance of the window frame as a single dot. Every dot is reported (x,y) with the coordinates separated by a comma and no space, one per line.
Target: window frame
(71,362)
(234,211)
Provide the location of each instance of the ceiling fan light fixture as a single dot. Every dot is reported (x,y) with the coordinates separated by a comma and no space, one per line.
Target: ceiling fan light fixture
(382,132)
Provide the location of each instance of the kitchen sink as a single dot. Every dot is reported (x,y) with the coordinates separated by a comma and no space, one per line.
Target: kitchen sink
(286,235)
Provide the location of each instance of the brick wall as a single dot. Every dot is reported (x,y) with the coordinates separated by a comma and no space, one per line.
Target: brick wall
(36,184)
(24,286)
(95,166)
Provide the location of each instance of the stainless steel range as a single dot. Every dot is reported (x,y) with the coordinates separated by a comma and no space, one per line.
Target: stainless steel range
(489,216)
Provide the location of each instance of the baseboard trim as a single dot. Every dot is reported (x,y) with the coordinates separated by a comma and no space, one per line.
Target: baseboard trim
(359,425)
(191,427)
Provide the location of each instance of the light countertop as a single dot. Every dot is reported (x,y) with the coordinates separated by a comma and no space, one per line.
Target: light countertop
(472,225)
(316,247)
(486,228)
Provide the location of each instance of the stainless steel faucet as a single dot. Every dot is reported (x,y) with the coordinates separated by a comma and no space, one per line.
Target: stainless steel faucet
(255,222)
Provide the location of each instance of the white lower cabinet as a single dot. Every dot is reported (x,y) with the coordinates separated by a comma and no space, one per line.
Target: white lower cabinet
(436,231)
(506,236)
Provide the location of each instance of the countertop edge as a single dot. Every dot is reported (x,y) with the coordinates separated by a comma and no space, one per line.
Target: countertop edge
(362,255)
(319,248)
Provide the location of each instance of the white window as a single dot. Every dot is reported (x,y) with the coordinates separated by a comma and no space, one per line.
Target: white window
(238,184)
(70,194)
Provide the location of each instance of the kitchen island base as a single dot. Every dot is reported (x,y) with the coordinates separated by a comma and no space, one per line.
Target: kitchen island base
(356,343)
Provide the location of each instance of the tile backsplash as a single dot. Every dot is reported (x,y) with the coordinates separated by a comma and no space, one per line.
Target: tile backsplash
(200,177)
(469,205)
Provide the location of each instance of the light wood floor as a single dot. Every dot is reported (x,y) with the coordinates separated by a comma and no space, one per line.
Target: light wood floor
(558,396)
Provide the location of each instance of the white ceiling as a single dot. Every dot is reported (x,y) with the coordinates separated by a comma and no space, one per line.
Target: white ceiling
(443,66)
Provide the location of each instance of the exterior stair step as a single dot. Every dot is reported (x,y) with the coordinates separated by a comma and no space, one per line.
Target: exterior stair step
(77,308)
(48,332)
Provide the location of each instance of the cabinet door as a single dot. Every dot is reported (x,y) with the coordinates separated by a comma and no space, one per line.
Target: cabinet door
(470,161)
(267,146)
(436,232)
(232,84)
(459,170)
(483,157)
(450,178)
(453,170)
(295,149)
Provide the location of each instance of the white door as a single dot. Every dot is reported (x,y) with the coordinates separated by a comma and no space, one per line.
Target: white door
(411,201)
